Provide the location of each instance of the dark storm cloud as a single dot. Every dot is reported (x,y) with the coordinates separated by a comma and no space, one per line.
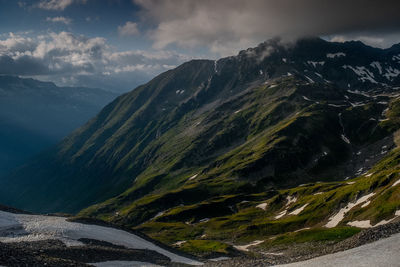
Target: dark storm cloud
(225,24)
(22,66)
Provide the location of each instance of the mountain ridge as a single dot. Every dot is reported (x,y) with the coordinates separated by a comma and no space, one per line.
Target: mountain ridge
(143,129)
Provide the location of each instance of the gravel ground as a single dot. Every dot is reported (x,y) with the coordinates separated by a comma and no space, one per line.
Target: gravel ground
(383,253)
(56,253)
(306,251)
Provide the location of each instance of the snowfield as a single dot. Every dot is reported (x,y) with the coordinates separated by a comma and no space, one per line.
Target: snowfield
(384,252)
(124,264)
(21,227)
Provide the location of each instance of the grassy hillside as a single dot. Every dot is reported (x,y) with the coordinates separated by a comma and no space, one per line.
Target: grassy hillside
(216,205)
(277,217)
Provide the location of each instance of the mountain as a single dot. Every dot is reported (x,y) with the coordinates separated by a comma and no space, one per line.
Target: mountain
(214,132)
(35,115)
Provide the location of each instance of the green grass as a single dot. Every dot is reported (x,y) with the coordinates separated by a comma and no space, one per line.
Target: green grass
(312,235)
(257,155)
(206,248)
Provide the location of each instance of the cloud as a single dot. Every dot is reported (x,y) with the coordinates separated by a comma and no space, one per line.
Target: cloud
(57,4)
(129,29)
(70,59)
(376,40)
(64,20)
(226,25)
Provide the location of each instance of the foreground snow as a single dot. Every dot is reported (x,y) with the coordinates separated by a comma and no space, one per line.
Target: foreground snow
(384,252)
(124,264)
(21,227)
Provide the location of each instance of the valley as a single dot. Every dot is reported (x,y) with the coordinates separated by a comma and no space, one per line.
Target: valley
(263,157)
(36,115)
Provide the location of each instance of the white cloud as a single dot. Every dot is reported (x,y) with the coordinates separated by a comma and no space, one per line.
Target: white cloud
(64,20)
(78,60)
(57,4)
(375,40)
(129,29)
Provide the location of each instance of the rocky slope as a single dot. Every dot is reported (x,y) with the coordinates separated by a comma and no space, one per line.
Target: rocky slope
(35,115)
(201,155)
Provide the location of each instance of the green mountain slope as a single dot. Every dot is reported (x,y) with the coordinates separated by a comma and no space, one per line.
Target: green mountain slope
(240,125)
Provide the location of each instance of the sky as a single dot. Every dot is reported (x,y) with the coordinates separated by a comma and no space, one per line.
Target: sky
(119,44)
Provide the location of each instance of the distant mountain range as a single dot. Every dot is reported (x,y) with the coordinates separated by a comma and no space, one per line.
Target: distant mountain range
(180,156)
(35,115)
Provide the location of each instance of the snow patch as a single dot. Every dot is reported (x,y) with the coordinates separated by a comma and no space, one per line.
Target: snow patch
(336,106)
(220,259)
(124,264)
(179,243)
(281,214)
(365,204)
(316,63)
(158,215)
(272,253)
(360,224)
(290,200)
(335,55)
(302,229)
(396,183)
(391,73)
(309,79)
(356,92)
(262,206)
(343,135)
(297,211)
(338,217)
(246,247)
(344,138)
(362,72)
(377,65)
(193,177)
(367,223)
